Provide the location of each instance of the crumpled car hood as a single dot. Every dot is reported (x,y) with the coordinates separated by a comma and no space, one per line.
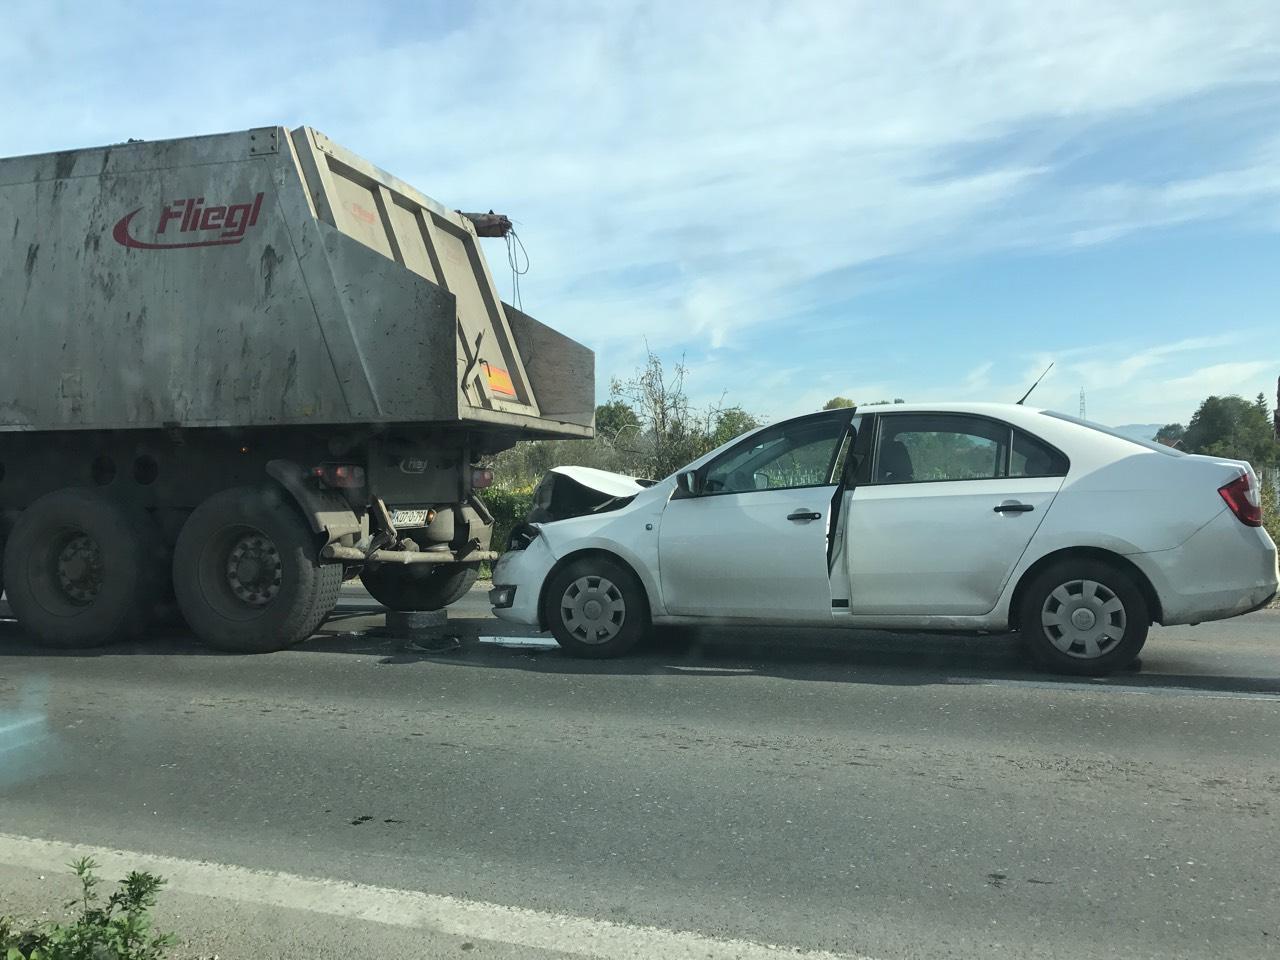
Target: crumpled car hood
(575,491)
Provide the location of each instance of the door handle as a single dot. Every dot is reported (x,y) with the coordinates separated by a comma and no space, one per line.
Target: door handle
(1013,506)
(804,515)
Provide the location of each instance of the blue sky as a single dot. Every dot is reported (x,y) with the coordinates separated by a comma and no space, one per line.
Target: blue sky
(803,199)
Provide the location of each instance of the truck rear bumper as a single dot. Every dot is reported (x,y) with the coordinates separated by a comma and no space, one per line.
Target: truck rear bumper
(351,554)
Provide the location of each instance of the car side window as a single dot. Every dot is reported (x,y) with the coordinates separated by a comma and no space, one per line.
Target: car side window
(1030,457)
(915,448)
(789,455)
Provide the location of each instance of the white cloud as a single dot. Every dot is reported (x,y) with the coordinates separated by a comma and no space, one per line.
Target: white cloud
(1161,383)
(687,171)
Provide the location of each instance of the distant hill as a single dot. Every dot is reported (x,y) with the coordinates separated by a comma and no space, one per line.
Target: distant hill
(1139,431)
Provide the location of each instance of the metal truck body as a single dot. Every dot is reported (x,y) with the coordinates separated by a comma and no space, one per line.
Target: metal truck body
(185,317)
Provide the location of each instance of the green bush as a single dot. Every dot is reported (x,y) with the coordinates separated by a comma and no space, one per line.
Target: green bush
(120,929)
(1271,510)
(509,506)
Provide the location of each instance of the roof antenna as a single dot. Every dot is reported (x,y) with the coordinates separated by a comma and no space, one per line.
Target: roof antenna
(1036,384)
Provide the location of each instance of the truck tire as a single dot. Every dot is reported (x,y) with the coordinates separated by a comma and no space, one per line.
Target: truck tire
(1084,617)
(83,570)
(246,572)
(596,608)
(419,586)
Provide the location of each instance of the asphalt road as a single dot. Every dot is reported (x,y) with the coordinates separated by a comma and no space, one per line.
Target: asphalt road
(863,794)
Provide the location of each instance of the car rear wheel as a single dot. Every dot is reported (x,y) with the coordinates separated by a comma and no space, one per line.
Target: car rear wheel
(82,569)
(246,574)
(596,608)
(419,586)
(1084,617)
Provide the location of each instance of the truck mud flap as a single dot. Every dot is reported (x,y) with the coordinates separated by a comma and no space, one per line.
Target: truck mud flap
(326,512)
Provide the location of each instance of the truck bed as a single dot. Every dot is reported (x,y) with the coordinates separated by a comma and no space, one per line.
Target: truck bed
(259,278)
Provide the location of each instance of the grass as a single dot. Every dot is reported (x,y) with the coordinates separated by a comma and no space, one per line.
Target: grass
(119,928)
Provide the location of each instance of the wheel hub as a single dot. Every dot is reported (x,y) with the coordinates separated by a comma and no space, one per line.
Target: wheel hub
(1084,619)
(79,569)
(254,570)
(593,609)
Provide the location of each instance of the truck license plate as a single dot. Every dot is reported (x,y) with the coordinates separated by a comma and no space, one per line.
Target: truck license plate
(409,518)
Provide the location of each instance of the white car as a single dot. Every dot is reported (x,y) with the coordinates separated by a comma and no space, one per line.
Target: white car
(949,517)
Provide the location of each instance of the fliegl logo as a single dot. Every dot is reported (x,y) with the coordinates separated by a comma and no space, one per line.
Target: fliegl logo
(189,223)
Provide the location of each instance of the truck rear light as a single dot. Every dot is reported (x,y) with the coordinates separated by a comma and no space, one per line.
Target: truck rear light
(1242,498)
(481,478)
(342,476)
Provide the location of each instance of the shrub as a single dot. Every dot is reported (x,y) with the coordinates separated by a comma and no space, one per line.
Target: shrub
(509,506)
(1270,509)
(120,929)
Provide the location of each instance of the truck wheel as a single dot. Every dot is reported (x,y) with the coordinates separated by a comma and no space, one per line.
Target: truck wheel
(246,574)
(419,586)
(1084,617)
(596,608)
(83,570)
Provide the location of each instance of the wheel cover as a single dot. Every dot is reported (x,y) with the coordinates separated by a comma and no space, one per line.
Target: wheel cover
(254,569)
(77,568)
(593,609)
(1084,619)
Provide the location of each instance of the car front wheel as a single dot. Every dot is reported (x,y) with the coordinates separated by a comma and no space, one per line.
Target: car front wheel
(1084,617)
(595,607)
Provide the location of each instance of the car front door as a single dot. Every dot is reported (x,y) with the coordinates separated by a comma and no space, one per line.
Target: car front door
(749,538)
(947,509)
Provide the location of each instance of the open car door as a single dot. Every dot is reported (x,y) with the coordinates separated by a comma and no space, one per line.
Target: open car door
(747,536)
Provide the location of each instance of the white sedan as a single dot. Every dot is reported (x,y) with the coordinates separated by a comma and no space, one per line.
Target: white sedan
(950,517)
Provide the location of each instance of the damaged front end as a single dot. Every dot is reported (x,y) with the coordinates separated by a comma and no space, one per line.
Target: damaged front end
(567,492)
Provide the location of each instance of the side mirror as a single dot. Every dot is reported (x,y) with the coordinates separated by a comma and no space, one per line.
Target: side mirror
(689,482)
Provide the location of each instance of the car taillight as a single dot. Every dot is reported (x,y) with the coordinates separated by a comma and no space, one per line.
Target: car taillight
(481,478)
(343,476)
(1243,500)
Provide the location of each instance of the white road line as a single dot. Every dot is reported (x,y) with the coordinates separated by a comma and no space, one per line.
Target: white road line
(450,916)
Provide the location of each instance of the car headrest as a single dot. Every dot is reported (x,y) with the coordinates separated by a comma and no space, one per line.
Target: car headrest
(895,462)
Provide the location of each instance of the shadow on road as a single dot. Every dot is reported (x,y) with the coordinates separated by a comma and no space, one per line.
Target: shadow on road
(853,657)
(804,654)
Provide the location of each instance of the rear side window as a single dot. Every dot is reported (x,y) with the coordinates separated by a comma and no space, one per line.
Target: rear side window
(1030,457)
(925,447)
(915,448)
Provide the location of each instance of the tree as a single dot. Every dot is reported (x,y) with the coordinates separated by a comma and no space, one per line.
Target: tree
(1171,434)
(673,432)
(731,422)
(837,403)
(614,419)
(648,428)
(1235,428)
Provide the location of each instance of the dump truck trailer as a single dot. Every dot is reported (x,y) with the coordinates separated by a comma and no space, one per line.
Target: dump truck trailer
(237,369)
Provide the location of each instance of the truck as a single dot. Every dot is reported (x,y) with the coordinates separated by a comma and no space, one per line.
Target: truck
(236,370)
